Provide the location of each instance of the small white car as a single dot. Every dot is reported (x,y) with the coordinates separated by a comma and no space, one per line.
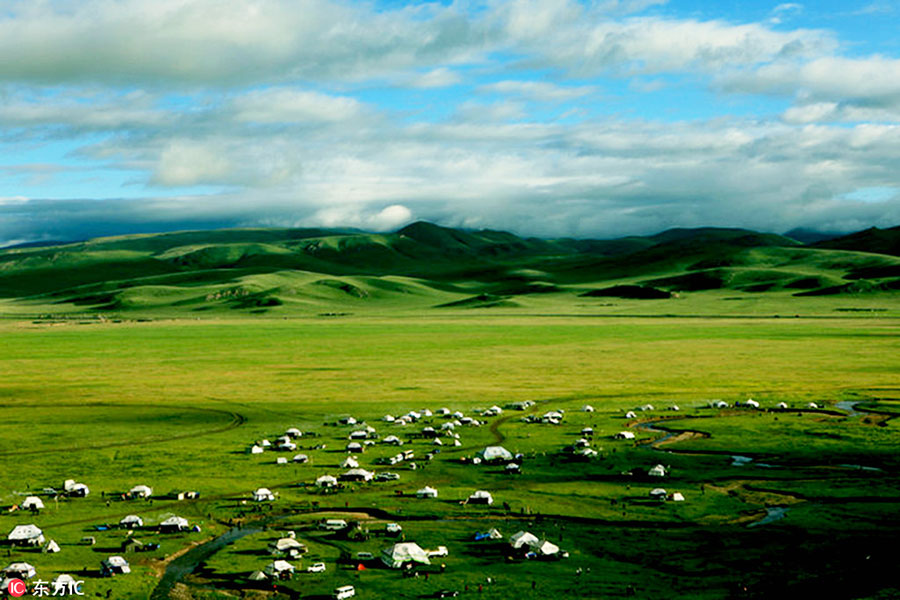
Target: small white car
(316,568)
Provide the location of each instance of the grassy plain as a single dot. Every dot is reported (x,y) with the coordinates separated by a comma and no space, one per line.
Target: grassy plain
(175,403)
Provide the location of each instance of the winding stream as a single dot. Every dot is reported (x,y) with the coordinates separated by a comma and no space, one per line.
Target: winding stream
(773,513)
(186,563)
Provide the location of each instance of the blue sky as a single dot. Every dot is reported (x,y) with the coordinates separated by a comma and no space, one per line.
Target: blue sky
(546,117)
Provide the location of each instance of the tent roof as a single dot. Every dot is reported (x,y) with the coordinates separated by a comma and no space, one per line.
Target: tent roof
(522,538)
(404,552)
(279,565)
(24,532)
(494,452)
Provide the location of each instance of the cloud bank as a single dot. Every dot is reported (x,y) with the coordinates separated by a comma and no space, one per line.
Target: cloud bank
(548,117)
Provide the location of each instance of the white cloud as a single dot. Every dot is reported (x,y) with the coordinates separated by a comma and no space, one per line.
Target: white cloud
(541,91)
(874,79)
(224,41)
(435,78)
(281,105)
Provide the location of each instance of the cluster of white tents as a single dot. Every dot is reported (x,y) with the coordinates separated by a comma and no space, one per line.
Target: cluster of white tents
(530,544)
(283,442)
(751,403)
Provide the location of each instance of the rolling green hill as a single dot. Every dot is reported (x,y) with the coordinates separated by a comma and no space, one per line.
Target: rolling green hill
(322,271)
(880,241)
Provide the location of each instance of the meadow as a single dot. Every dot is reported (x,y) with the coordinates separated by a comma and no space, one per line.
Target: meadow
(175,403)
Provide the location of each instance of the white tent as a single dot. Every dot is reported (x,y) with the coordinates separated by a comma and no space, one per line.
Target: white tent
(658,494)
(263,495)
(174,523)
(494,453)
(293,432)
(281,460)
(812,405)
(392,439)
(301,458)
(326,481)
(427,492)
(32,503)
(287,545)
(358,475)
(21,570)
(481,497)
(350,463)
(587,408)
(52,547)
(437,442)
(257,576)
(28,535)
(141,491)
(677,497)
(443,412)
(781,405)
(114,565)
(625,435)
(545,548)
(256,449)
(657,471)
(630,415)
(399,554)
(354,447)
(278,567)
(523,538)
(131,521)
(495,534)
(80,490)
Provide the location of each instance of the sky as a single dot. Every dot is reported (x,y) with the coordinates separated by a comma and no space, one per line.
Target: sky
(544,117)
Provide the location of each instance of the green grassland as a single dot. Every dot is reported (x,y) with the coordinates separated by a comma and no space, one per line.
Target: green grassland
(175,404)
(161,359)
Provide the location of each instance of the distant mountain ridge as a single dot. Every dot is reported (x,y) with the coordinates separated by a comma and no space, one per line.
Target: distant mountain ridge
(277,269)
